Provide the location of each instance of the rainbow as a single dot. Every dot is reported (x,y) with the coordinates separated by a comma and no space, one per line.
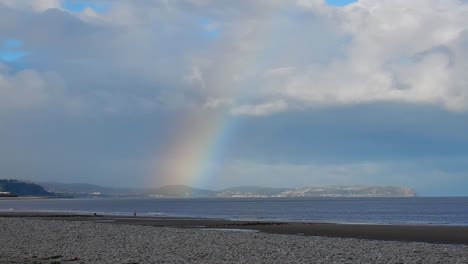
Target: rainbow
(199,141)
(193,154)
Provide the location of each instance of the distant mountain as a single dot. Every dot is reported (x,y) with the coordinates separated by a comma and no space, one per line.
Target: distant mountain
(22,188)
(179,191)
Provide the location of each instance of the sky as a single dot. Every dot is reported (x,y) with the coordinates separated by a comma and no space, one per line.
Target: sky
(220,93)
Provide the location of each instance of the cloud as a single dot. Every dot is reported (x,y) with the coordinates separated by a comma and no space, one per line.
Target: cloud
(36,5)
(260,109)
(267,58)
(27,89)
(195,76)
(216,103)
(300,175)
(396,52)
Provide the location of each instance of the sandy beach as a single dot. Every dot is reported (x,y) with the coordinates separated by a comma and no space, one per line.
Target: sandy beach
(47,238)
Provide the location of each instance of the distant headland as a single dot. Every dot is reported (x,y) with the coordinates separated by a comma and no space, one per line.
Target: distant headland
(15,188)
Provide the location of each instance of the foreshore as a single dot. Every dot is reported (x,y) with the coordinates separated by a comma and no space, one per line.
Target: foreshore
(408,233)
(55,239)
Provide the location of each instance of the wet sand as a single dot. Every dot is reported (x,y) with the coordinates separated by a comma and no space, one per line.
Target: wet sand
(409,233)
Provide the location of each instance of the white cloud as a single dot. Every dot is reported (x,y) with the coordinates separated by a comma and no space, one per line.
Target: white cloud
(260,109)
(383,51)
(195,76)
(216,103)
(398,51)
(37,5)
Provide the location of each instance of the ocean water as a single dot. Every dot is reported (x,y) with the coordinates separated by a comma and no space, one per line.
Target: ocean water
(412,211)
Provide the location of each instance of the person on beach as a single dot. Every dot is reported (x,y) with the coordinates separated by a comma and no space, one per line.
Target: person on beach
(134,213)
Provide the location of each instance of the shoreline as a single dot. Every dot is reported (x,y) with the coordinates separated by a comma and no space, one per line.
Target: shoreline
(69,213)
(408,233)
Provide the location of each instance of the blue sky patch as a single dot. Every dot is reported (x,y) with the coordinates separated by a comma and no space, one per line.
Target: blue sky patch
(80,6)
(12,56)
(10,50)
(340,2)
(210,29)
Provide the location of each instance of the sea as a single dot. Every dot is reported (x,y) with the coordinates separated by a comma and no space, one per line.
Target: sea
(389,211)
